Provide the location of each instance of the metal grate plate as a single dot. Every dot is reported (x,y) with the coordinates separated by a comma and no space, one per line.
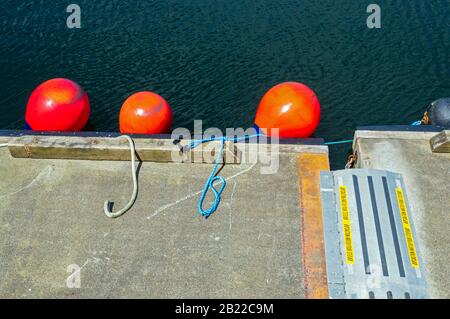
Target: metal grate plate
(370,243)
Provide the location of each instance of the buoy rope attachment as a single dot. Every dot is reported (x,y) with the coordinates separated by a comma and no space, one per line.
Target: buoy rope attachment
(423,121)
(108,204)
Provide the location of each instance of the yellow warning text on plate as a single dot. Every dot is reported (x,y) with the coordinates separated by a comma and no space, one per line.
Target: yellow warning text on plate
(407,228)
(346,225)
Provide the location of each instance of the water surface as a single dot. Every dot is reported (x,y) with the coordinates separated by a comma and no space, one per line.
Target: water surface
(214,59)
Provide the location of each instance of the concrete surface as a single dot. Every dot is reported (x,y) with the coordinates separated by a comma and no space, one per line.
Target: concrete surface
(51,217)
(427,179)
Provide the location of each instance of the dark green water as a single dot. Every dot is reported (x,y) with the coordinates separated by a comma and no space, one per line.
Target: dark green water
(213,60)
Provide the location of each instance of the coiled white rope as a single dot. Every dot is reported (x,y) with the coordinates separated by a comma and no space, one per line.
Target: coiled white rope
(108,204)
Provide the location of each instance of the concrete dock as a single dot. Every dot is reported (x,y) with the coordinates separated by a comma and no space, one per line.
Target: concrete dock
(52,223)
(427,179)
(266,239)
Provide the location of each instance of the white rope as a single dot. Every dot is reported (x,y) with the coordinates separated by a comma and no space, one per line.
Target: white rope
(108,204)
(3,145)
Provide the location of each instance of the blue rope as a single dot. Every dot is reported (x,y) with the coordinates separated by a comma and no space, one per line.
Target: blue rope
(339,142)
(212,177)
(417,123)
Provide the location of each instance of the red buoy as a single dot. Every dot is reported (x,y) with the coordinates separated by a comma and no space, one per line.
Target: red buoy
(145,113)
(58,105)
(291,107)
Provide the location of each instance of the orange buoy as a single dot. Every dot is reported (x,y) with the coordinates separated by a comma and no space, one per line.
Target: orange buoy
(145,113)
(291,107)
(58,105)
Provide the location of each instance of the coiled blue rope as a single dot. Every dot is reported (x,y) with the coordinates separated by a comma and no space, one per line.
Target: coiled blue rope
(417,123)
(212,177)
